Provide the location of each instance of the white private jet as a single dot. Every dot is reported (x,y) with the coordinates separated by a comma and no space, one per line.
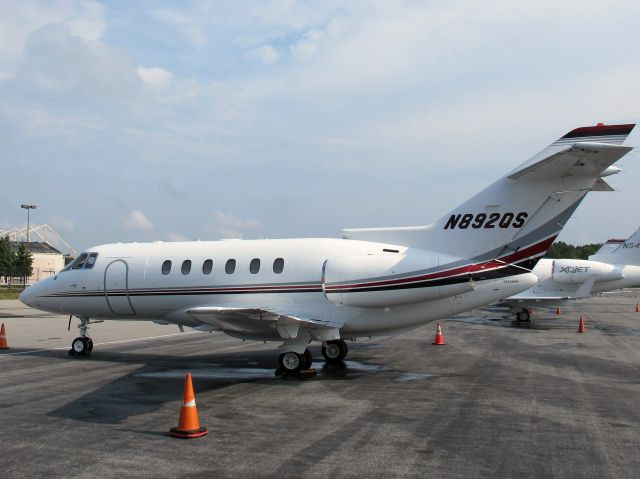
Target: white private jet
(616,265)
(371,282)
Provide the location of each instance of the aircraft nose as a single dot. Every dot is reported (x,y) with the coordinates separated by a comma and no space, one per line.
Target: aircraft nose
(26,296)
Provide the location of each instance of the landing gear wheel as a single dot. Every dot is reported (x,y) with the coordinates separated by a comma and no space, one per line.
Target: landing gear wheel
(291,362)
(308,359)
(335,351)
(524,316)
(81,346)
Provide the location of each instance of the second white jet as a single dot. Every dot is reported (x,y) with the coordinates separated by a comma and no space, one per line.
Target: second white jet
(615,266)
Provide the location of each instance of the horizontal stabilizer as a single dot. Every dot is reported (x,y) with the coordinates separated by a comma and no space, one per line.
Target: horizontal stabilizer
(581,159)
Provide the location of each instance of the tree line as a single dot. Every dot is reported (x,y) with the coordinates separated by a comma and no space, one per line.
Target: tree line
(15,262)
(563,250)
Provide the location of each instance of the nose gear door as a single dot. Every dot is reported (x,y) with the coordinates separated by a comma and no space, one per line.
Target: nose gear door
(116,287)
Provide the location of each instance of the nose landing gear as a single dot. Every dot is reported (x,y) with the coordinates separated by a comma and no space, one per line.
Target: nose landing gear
(82,345)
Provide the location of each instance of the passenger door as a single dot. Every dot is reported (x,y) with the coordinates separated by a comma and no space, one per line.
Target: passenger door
(116,287)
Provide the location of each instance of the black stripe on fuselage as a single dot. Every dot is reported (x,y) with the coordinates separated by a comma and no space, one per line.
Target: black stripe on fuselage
(509,270)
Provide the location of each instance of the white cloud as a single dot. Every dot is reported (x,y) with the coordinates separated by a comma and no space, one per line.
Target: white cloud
(19,20)
(308,45)
(228,225)
(187,25)
(368,104)
(155,77)
(137,221)
(266,54)
(60,65)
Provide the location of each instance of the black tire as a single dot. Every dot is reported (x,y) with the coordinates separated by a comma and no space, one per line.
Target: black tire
(335,351)
(308,358)
(89,344)
(291,362)
(345,348)
(79,346)
(524,315)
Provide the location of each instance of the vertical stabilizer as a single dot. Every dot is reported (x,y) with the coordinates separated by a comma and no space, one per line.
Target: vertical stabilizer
(517,217)
(625,252)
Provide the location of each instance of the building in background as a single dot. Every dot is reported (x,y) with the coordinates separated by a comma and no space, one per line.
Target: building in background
(50,251)
(47,260)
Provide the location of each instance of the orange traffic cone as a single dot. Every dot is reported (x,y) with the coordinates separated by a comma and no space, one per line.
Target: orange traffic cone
(558,311)
(188,424)
(637,307)
(3,338)
(439,339)
(581,326)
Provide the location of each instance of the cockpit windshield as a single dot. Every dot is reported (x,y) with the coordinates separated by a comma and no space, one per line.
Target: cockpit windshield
(83,261)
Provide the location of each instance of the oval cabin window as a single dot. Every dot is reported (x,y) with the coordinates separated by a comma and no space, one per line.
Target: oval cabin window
(278,265)
(207,266)
(186,266)
(166,267)
(254,266)
(230,267)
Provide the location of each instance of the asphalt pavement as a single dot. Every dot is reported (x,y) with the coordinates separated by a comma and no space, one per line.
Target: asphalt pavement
(501,399)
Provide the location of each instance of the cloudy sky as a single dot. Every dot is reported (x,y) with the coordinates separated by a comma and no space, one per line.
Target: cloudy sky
(150,120)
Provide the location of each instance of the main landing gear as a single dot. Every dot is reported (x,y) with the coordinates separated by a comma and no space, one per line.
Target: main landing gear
(334,351)
(293,363)
(82,345)
(524,316)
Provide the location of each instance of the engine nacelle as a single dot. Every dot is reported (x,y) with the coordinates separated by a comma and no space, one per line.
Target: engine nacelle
(372,281)
(579,270)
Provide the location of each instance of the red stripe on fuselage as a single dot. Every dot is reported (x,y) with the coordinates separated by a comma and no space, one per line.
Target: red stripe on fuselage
(528,252)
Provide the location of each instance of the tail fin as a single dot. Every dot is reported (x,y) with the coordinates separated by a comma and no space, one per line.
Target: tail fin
(620,252)
(517,217)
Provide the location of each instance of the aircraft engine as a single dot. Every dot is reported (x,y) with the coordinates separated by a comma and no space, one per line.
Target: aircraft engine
(372,281)
(579,270)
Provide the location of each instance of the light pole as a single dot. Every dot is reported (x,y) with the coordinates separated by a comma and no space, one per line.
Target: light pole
(28,208)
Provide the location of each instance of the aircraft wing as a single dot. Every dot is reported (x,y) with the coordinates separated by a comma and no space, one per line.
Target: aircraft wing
(264,324)
(580,159)
(533,299)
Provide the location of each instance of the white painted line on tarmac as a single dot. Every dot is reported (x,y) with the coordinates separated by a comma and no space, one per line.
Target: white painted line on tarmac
(99,344)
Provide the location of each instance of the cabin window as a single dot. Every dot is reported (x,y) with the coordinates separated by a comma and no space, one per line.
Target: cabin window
(207,266)
(91,261)
(278,265)
(166,267)
(254,266)
(230,267)
(186,266)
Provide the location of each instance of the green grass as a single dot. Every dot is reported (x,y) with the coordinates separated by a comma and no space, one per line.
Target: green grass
(13,293)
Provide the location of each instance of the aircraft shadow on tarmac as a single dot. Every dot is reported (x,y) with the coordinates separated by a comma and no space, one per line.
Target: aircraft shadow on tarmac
(160,380)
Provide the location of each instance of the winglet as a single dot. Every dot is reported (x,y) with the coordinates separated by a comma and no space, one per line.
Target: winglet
(601,133)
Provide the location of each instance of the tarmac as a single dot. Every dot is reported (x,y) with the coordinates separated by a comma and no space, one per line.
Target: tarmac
(501,399)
